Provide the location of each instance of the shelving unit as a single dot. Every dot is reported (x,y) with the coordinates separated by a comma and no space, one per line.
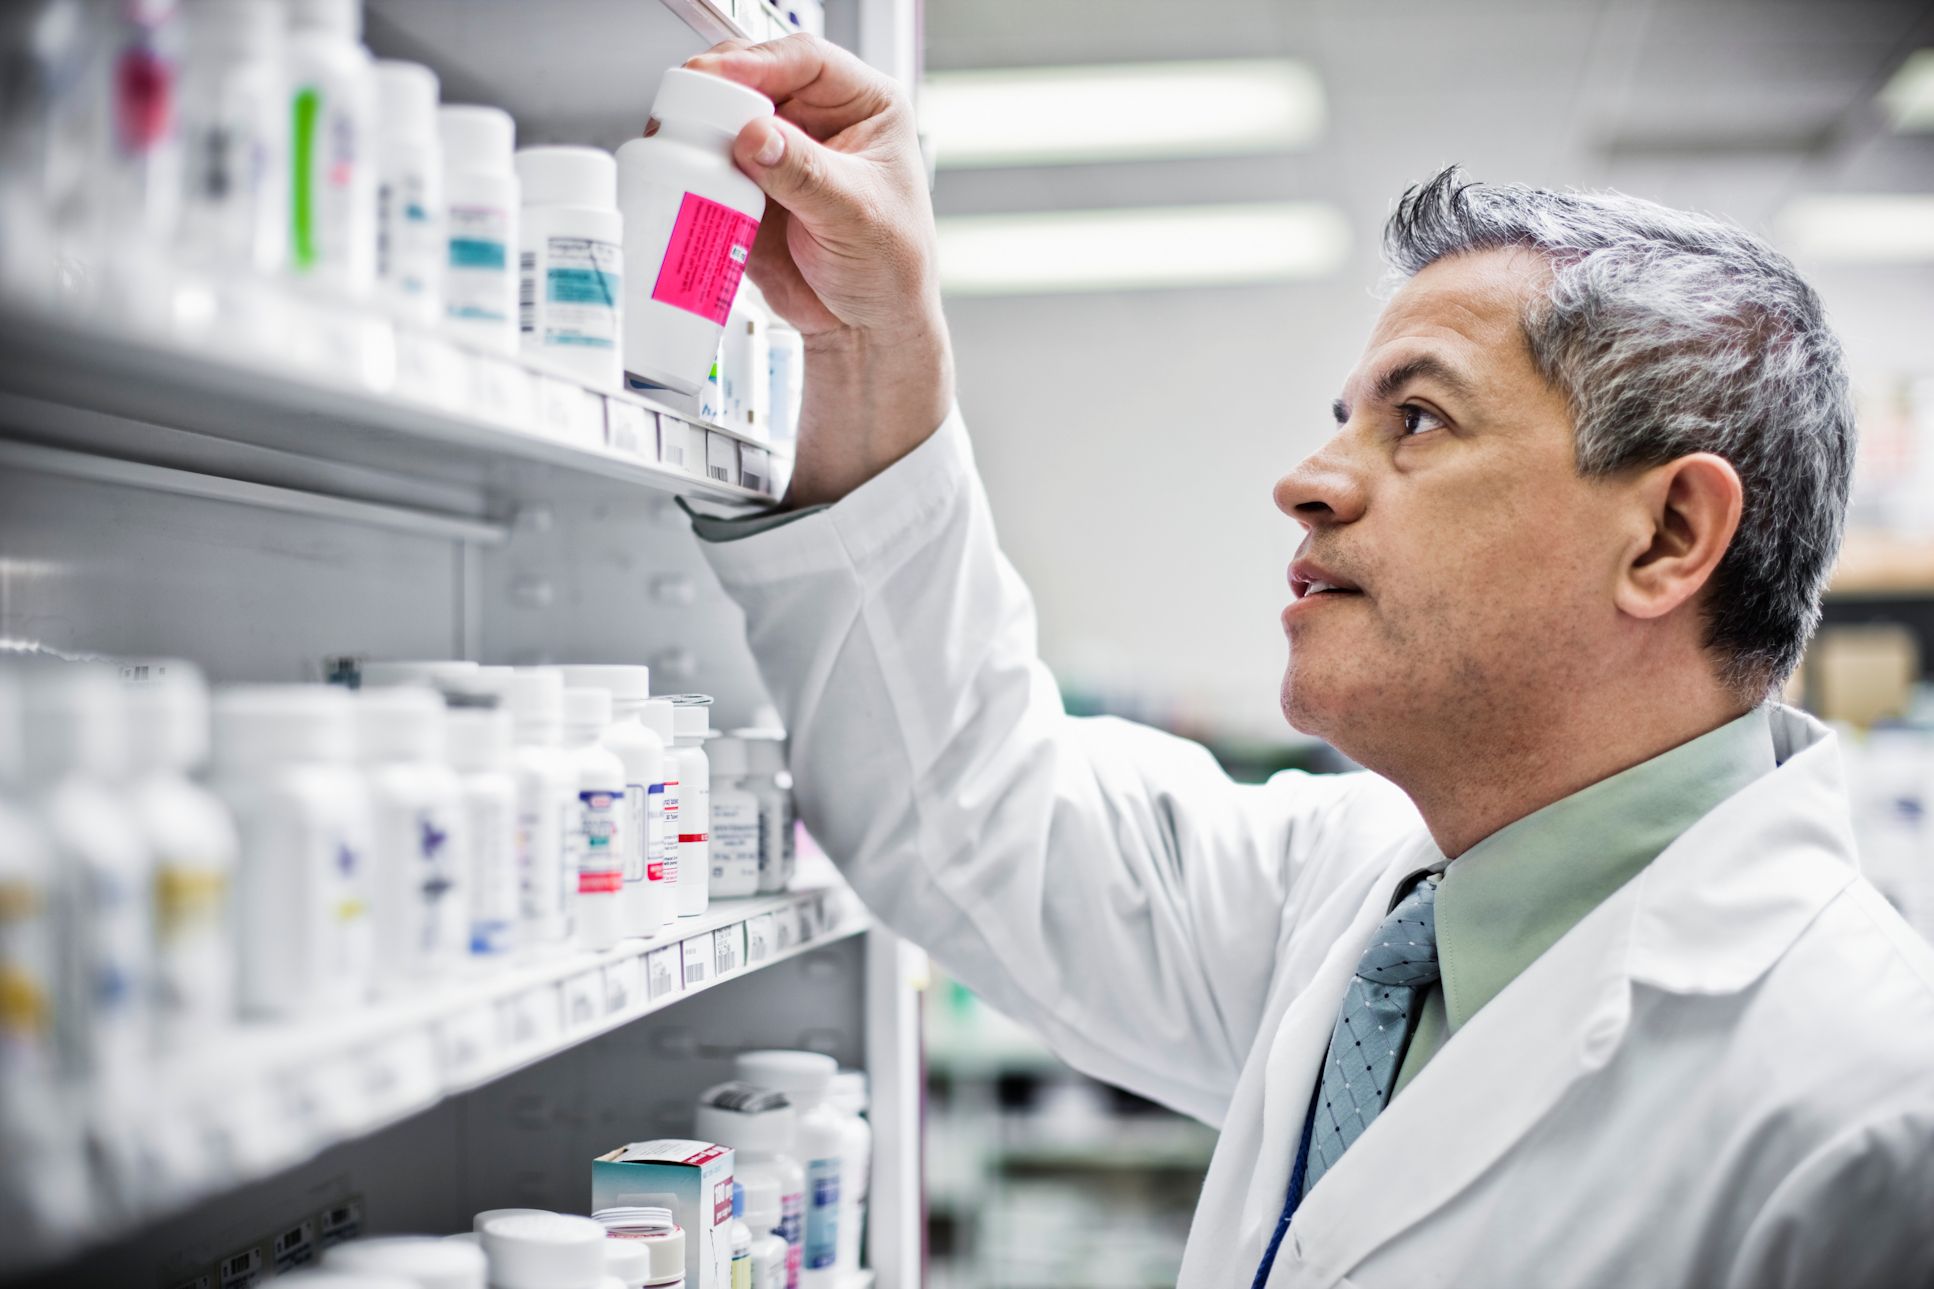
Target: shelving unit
(1883,566)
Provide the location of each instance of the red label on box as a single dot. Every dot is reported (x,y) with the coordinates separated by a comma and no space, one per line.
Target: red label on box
(705,259)
(707,1155)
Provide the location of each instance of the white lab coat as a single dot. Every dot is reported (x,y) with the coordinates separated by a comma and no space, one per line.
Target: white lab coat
(1723,1076)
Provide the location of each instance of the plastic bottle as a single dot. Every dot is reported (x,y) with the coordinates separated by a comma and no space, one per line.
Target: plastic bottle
(480,204)
(648,893)
(658,1231)
(571,262)
(762,1127)
(600,818)
(667,796)
(690,216)
(763,1216)
(691,720)
(426,1261)
(804,1077)
(544,1251)
(283,765)
(738,1237)
(332,153)
(421,855)
(410,246)
(847,1095)
(736,833)
(547,805)
(192,838)
(745,367)
(133,181)
(771,782)
(480,753)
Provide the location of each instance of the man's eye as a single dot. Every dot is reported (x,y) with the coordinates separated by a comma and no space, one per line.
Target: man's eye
(1417,419)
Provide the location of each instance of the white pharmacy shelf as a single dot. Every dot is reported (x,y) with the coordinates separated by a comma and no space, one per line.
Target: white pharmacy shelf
(381,424)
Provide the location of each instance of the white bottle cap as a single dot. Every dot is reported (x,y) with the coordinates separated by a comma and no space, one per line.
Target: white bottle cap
(406,96)
(400,724)
(544,1251)
(628,1260)
(746,1117)
(627,684)
(667,1257)
(476,140)
(691,715)
(244,26)
(167,702)
(492,1214)
(657,717)
(802,1076)
(257,725)
(433,672)
(428,1261)
(74,720)
(848,1092)
(311,1278)
(564,176)
(470,1238)
(698,98)
(587,709)
(536,702)
(761,1202)
(657,1230)
(341,18)
(477,738)
(727,755)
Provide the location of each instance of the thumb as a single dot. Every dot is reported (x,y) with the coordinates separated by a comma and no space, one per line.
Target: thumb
(805,176)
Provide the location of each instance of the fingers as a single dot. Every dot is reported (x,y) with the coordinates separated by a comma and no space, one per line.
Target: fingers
(805,69)
(819,185)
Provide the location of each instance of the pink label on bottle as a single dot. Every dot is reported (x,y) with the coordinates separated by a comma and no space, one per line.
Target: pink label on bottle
(706,258)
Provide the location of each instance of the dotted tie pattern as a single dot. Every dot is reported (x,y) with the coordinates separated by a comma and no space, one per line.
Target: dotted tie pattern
(1368,1042)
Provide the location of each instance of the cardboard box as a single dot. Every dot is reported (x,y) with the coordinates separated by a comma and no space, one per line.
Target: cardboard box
(691,1178)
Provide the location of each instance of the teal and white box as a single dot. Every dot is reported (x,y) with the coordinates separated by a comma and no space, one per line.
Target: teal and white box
(691,1178)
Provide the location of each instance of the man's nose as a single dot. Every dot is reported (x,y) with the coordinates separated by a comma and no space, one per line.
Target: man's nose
(1324,489)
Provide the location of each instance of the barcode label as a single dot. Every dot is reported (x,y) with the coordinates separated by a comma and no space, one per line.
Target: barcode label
(719,472)
(527,292)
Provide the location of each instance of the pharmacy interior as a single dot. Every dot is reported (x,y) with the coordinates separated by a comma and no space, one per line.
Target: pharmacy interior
(399,879)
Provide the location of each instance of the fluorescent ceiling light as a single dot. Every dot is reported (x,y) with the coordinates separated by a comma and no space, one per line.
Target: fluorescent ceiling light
(1120,112)
(1125,250)
(1909,93)
(1860,228)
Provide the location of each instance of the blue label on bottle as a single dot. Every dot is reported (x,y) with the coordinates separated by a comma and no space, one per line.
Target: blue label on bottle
(822,1213)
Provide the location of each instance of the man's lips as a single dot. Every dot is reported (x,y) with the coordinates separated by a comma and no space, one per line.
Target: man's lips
(1308,578)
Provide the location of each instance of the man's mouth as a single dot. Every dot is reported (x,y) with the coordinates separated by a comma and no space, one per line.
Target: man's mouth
(1307,578)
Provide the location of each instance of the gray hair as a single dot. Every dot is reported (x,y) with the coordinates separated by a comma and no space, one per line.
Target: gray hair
(1673,333)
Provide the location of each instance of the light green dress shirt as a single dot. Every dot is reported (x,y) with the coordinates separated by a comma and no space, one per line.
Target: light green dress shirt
(1507,899)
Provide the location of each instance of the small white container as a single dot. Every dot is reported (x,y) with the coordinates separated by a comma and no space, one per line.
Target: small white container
(823,1142)
(410,243)
(547,806)
(771,782)
(426,1261)
(571,263)
(647,899)
(658,1232)
(763,1216)
(745,367)
(192,838)
(690,217)
(480,753)
(762,1127)
(666,810)
(736,829)
(544,1251)
(480,226)
(332,150)
(421,851)
(691,722)
(847,1095)
(601,820)
(786,384)
(629,1261)
(283,765)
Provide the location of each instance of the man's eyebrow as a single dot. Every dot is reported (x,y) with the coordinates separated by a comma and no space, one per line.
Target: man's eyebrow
(1393,379)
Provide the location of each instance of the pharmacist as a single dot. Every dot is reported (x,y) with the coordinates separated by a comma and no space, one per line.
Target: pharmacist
(1582,986)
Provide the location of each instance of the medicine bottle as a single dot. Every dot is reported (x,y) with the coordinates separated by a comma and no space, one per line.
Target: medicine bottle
(409,194)
(192,838)
(600,831)
(804,1077)
(629,1261)
(735,831)
(771,782)
(847,1095)
(480,226)
(667,807)
(76,727)
(420,851)
(480,753)
(762,1128)
(647,893)
(658,1232)
(283,765)
(332,149)
(738,1238)
(547,803)
(426,1261)
(544,1251)
(29,941)
(691,722)
(571,262)
(690,216)
(762,1215)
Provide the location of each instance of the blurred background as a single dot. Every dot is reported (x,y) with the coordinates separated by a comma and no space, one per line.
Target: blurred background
(1160,236)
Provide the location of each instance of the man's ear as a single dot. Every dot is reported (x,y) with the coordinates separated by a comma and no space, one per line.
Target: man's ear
(1692,507)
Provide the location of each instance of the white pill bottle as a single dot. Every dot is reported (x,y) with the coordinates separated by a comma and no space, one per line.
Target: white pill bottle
(598,912)
(803,1078)
(409,194)
(646,901)
(571,262)
(691,722)
(480,226)
(332,149)
(690,216)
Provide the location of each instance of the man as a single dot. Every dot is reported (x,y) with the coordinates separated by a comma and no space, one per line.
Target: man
(1583,986)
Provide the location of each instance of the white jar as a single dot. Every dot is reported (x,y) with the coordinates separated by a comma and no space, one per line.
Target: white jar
(646,901)
(735,829)
(666,809)
(658,1232)
(480,753)
(420,854)
(690,216)
(771,782)
(571,262)
(762,1127)
(600,818)
(804,1077)
(628,1260)
(192,838)
(847,1095)
(691,721)
(332,150)
(547,804)
(410,246)
(544,1251)
(76,725)
(283,765)
(745,367)
(763,1216)
(29,943)
(425,1261)
(786,384)
(480,226)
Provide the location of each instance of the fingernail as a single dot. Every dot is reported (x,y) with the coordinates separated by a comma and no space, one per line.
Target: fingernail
(772,149)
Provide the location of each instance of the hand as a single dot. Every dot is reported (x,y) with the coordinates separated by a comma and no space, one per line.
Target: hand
(845,253)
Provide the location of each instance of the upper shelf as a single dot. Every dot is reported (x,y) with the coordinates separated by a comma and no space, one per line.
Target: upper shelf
(1883,566)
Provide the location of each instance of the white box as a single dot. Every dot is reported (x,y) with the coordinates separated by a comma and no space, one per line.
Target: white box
(755,469)
(691,1178)
(698,960)
(629,427)
(680,445)
(721,458)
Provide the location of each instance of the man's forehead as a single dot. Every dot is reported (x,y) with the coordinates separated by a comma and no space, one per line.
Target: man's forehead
(1466,311)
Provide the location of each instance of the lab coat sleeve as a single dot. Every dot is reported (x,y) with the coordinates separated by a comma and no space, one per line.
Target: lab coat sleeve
(1102,882)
